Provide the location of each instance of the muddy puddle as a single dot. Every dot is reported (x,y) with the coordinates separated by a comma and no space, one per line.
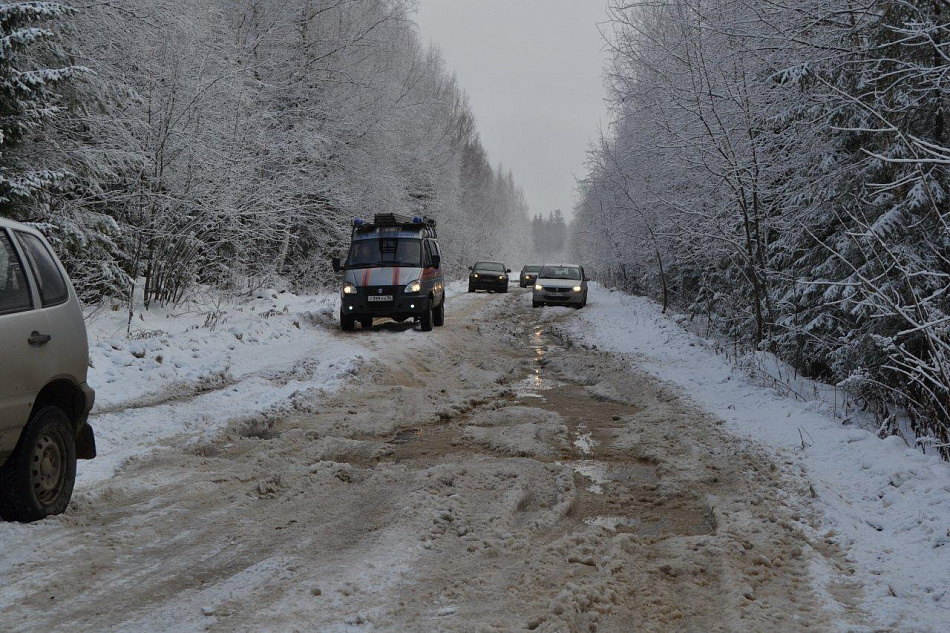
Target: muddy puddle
(617,490)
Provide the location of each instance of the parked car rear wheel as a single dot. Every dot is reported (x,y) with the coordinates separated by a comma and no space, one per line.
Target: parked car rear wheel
(38,479)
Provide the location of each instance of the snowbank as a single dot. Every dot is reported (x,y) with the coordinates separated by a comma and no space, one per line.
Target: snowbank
(195,370)
(886,504)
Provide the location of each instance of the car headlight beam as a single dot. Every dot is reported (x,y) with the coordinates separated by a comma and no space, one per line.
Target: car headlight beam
(349,289)
(538,287)
(577,288)
(414,287)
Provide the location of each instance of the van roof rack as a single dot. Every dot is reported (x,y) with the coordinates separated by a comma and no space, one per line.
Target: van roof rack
(396,220)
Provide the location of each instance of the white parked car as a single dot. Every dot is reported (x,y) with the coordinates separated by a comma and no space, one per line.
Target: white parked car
(44,398)
(561,284)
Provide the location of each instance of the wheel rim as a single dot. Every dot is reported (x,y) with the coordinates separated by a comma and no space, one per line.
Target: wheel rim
(48,467)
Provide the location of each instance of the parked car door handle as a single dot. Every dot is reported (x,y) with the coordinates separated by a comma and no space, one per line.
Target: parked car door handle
(39,339)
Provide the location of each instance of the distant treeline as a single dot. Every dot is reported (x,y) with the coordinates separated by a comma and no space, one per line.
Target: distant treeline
(227,142)
(549,234)
(781,169)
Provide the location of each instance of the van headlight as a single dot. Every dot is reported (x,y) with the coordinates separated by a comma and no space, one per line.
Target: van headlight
(538,287)
(414,287)
(349,289)
(577,288)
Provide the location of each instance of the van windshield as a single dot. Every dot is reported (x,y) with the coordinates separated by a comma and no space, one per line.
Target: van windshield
(560,272)
(385,251)
(532,269)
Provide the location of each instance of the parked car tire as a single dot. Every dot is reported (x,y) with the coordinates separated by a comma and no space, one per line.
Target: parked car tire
(347,323)
(438,319)
(471,288)
(428,317)
(38,478)
(537,304)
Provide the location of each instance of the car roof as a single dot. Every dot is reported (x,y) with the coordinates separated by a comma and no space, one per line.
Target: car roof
(487,262)
(562,265)
(11,224)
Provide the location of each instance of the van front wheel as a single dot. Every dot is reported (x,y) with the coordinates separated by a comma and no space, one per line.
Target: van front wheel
(38,479)
(428,317)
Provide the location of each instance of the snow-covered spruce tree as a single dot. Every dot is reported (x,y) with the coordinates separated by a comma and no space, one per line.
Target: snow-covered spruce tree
(875,261)
(46,168)
(31,70)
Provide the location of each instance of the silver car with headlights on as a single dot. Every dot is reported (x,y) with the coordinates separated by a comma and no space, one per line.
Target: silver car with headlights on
(561,284)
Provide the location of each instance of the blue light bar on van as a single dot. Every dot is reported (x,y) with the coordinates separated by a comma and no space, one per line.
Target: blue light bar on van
(417,220)
(358,222)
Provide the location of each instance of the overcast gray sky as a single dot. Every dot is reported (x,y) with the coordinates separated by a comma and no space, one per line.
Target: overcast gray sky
(533,71)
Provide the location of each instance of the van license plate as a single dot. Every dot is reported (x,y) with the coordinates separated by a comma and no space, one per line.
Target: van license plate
(379,298)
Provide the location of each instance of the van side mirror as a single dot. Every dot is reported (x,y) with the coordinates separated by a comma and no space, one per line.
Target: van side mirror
(508,270)
(437,261)
(337,266)
(470,268)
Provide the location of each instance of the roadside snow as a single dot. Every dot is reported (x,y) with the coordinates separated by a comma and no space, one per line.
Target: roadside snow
(196,370)
(886,504)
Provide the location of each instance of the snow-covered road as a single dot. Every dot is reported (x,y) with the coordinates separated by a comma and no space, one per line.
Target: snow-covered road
(886,504)
(497,474)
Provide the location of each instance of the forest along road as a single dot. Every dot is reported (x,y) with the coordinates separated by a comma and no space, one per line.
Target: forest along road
(487,476)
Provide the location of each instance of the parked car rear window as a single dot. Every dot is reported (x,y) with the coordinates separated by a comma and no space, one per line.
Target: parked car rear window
(14,292)
(53,288)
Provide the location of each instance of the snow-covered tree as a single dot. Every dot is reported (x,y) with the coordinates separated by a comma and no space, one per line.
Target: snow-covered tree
(781,169)
(32,69)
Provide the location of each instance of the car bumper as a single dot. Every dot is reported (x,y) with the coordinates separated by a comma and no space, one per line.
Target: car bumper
(407,306)
(488,284)
(559,298)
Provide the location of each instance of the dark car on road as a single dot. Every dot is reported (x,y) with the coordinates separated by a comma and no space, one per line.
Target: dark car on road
(492,276)
(528,275)
(393,270)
